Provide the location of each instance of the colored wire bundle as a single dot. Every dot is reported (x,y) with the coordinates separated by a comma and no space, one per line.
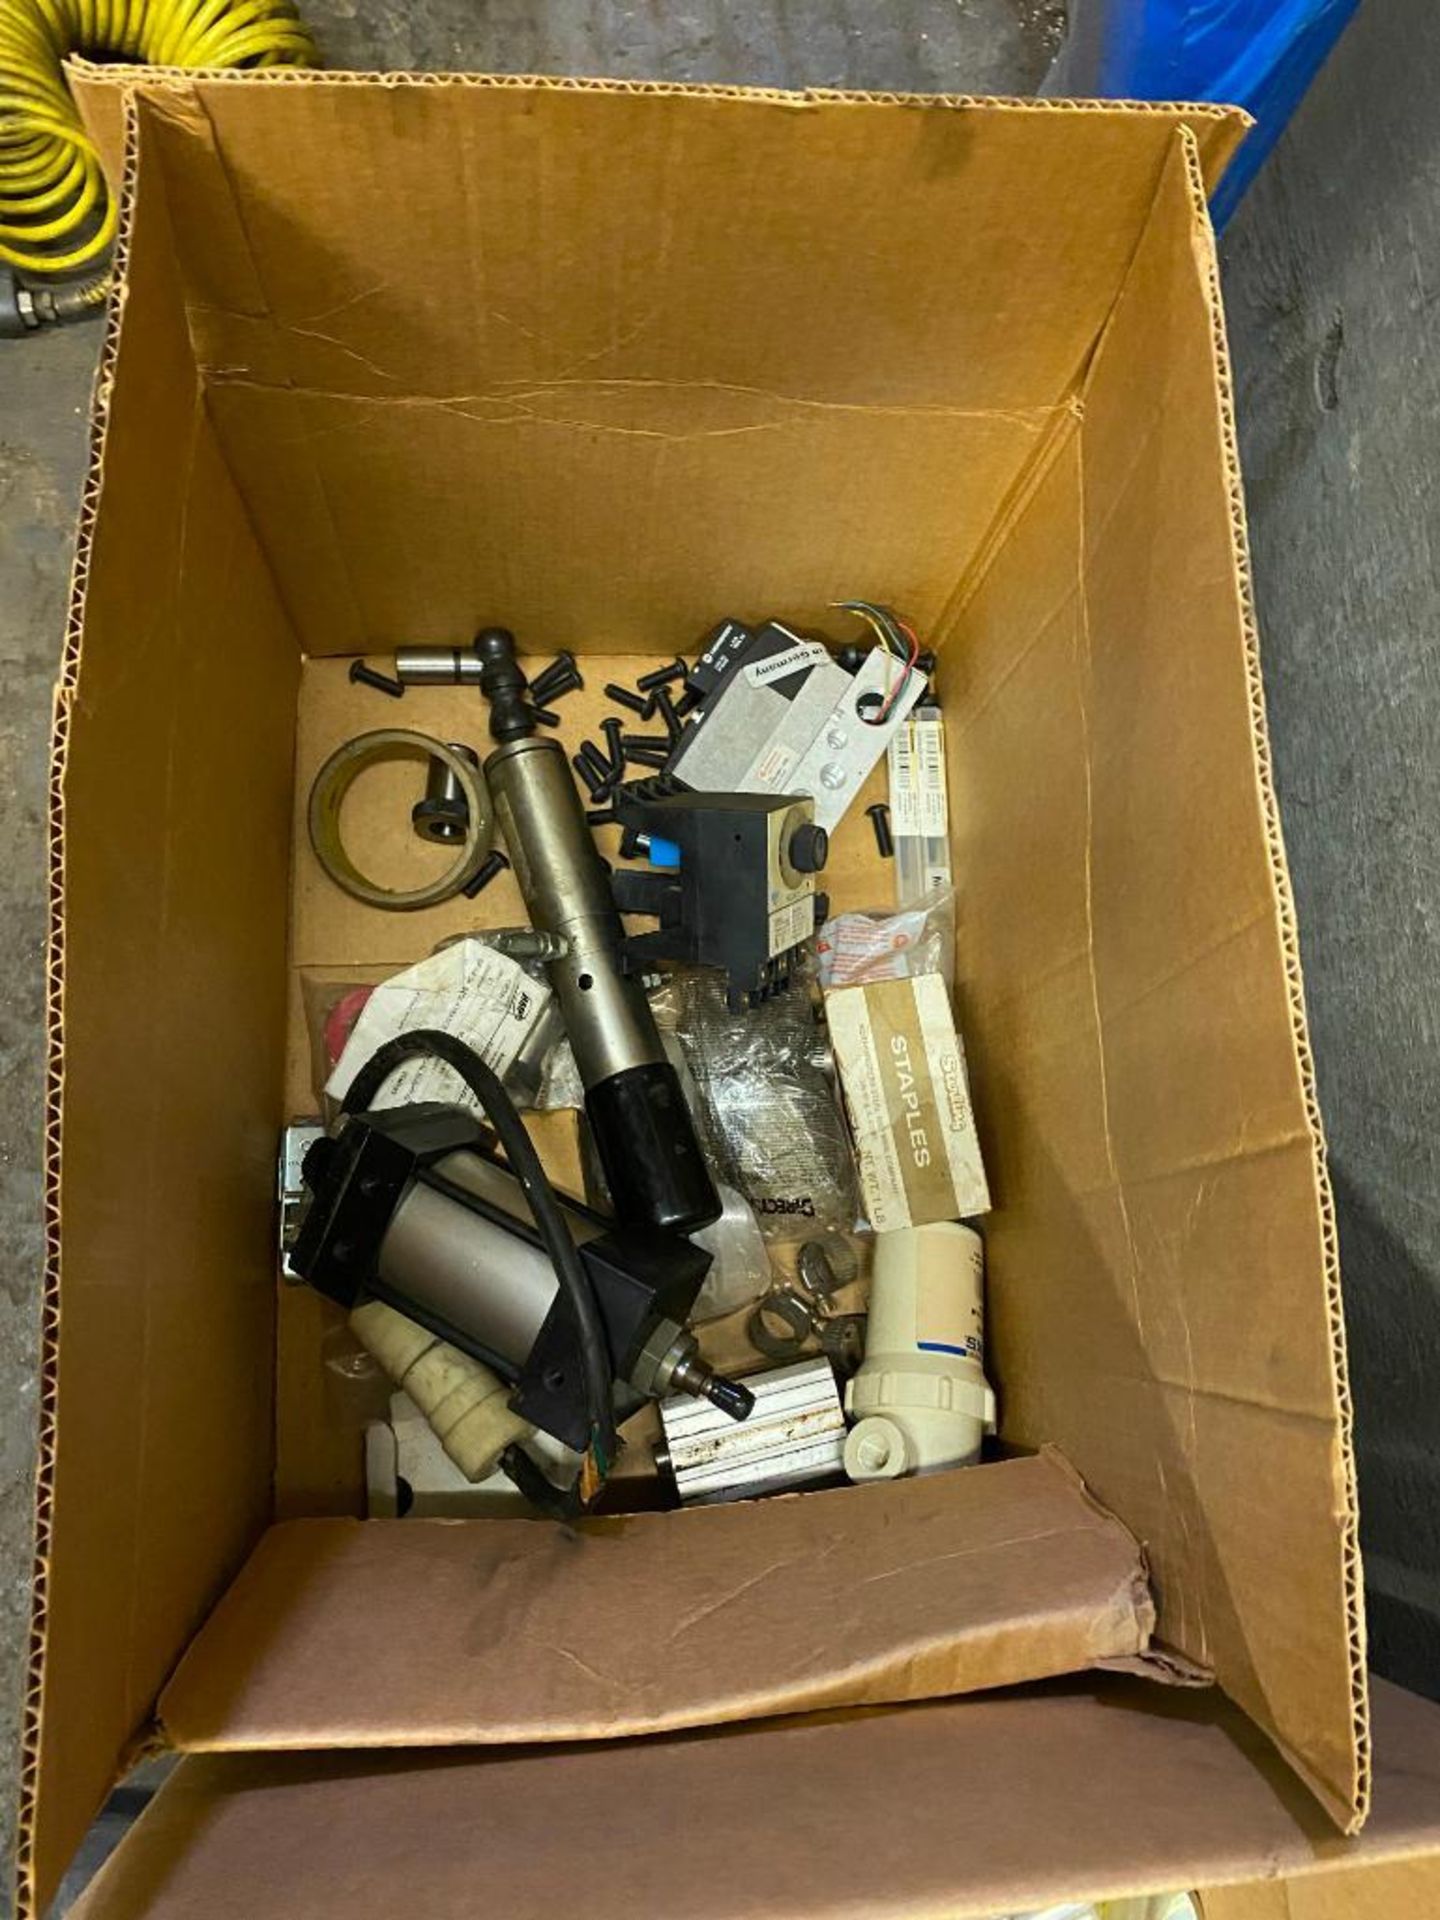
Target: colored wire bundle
(56,214)
(899,640)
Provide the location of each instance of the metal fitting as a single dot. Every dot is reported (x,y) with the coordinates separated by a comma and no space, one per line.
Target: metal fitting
(25,310)
(437,666)
(443,814)
(338,775)
(796,1326)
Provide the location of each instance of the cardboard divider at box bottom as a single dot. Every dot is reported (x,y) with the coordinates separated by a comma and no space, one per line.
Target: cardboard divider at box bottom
(499,1631)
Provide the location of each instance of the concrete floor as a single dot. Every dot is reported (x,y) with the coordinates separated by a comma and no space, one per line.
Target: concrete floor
(979,46)
(1331,288)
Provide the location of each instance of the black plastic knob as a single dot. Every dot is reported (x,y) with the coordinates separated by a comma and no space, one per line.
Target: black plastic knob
(809,848)
(730,1397)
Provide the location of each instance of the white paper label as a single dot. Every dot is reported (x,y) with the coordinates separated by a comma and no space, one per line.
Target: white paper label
(790,925)
(918,800)
(482,997)
(805,653)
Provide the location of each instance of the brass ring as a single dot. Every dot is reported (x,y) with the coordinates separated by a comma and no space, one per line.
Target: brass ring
(340,773)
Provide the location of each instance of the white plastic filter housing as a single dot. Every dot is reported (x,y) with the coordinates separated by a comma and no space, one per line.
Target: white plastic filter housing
(921,1400)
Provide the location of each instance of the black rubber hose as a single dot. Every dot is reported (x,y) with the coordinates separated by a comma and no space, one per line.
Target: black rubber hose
(549,1217)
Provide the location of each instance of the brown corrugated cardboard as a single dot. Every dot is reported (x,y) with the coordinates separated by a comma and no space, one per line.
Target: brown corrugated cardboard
(1384,1890)
(642,1623)
(165,1041)
(1131,996)
(980,1807)
(395,355)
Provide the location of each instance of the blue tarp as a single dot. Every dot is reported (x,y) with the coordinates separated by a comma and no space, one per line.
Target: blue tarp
(1256,54)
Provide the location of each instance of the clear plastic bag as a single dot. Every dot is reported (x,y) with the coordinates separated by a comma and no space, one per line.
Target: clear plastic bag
(885,944)
(740,1267)
(766,1102)
(497,1000)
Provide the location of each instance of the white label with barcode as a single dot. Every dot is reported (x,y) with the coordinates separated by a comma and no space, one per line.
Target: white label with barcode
(918,805)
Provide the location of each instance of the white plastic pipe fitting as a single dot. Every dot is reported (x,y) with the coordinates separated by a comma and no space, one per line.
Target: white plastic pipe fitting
(921,1401)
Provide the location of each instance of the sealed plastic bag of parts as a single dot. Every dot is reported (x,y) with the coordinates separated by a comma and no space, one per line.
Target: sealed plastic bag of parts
(766,1103)
(468,988)
(854,949)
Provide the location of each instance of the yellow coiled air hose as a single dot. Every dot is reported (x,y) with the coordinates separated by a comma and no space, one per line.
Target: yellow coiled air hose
(56,214)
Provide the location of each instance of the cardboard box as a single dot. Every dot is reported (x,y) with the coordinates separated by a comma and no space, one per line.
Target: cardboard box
(606,362)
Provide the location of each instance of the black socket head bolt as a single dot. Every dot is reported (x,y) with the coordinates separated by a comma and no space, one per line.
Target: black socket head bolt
(493,863)
(595,770)
(602,816)
(649,756)
(363,676)
(665,707)
(879,818)
(662,676)
(561,676)
(850,657)
(645,742)
(545,716)
(595,759)
(596,784)
(624,697)
(689,700)
(615,740)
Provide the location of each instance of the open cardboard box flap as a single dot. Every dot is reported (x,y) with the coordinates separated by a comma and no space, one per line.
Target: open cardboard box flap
(641,1623)
(976,1807)
(603,362)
